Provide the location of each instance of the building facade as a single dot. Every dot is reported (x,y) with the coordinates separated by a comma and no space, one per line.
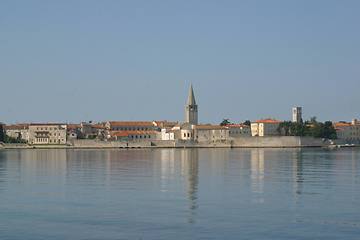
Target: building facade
(135,135)
(211,133)
(47,133)
(18,131)
(239,130)
(167,134)
(297,114)
(131,126)
(348,132)
(265,127)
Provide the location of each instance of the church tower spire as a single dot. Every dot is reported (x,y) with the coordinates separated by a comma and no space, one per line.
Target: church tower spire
(191,108)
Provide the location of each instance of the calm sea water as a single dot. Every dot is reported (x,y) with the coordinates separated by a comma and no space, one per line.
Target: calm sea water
(180,194)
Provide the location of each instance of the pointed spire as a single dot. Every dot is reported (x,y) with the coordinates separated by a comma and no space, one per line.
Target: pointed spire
(191,97)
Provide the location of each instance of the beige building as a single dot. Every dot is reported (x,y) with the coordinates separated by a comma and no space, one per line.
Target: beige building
(211,133)
(134,135)
(132,130)
(265,127)
(239,130)
(92,130)
(348,132)
(201,133)
(130,126)
(184,132)
(47,133)
(18,131)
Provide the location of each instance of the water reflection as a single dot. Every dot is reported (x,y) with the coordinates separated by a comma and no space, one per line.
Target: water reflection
(257,173)
(297,173)
(167,168)
(208,191)
(190,170)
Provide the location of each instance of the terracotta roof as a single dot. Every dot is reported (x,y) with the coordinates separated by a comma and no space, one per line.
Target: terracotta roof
(237,125)
(16,126)
(268,120)
(127,133)
(131,123)
(342,124)
(98,126)
(164,123)
(46,124)
(73,126)
(209,127)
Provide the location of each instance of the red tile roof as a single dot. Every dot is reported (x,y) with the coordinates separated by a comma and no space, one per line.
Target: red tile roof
(16,126)
(46,124)
(238,125)
(127,133)
(131,123)
(342,124)
(98,126)
(209,127)
(71,126)
(268,120)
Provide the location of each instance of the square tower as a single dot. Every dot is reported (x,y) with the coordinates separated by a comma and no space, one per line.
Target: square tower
(297,114)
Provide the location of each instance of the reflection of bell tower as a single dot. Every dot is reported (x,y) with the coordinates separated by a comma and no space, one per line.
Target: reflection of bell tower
(191,109)
(190,159)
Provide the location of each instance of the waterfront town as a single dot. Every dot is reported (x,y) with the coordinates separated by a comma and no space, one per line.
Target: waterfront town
(266,132)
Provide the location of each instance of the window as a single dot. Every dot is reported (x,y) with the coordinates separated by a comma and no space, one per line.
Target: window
(184,134)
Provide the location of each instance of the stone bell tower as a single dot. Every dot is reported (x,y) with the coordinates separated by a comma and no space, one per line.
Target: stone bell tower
(191,109)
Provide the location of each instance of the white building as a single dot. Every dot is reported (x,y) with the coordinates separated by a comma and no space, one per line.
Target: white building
(265,127)
(167,134)
(18,131)
(297,114)
(47,133)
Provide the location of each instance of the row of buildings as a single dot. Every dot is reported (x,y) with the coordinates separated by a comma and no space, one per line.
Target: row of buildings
(189,130)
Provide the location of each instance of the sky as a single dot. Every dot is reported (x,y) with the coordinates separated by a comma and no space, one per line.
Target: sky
(72,61)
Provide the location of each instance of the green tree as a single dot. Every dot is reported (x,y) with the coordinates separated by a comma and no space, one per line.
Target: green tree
(247,123)
(225,122)
(2,134)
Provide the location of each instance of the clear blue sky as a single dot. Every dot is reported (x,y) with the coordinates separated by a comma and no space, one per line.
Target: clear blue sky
(134,60)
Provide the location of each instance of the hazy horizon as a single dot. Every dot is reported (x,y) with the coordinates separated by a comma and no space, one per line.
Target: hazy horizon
(77,61)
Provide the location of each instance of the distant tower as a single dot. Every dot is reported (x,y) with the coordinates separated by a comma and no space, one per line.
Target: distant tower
(297,114)
(191,109)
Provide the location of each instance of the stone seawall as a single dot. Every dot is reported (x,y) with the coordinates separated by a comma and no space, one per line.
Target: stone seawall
(245,142)
(277,142)
(84,143)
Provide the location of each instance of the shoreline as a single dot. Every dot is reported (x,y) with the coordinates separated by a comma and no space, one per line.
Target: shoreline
(36,147)
(249,142)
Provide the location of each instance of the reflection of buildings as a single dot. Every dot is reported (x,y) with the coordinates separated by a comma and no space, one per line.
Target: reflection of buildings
(257,172)
(298,175)
(167,167)
(190,170)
